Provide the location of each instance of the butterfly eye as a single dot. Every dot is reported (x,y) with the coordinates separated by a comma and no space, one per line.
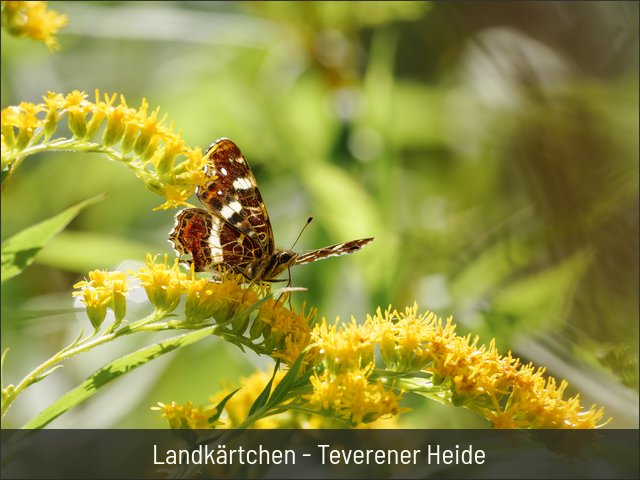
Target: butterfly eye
(286,257)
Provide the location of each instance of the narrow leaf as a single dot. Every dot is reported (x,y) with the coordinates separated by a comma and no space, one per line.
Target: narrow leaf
(111,371)
(266,391)
(4,357)
(287,381)
(19,251)
(44,375)
(214,418)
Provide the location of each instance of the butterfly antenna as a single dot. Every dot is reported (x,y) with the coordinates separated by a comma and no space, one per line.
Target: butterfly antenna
(300,234)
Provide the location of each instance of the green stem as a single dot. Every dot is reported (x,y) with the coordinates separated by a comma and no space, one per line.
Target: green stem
(234,338)
(83,346)
(76,146)
(61,144)
(254,417)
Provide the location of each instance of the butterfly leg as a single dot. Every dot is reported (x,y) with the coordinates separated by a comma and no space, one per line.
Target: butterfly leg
(288,285)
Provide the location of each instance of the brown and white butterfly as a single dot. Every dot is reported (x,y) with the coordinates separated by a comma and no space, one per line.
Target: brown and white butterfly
(233,231)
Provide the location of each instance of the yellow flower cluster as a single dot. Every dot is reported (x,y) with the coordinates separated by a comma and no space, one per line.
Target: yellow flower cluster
(206,299)
(286,331)
(102,290)
(236,410)
(150,148)
(163,284)
(420,353)
(186,416)
(354,395)
(34,20)
(272,328)
(346,387)
(461,372)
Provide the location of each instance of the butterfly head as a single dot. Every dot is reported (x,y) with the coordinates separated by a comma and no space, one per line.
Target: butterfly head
(278,263)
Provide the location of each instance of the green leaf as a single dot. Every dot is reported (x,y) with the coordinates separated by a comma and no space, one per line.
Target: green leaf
(19,251)
(286,384)
(44,375)
(111,371)
(220,407)
(266,391)
(4,357)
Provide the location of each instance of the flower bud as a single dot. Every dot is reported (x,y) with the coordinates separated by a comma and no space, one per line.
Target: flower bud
(114,130)
(77,122)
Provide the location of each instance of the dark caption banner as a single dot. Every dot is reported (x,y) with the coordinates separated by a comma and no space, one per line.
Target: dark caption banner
(319,454)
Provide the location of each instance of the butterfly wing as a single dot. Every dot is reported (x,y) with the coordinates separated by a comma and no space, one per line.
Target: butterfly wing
(331,251)
(234,231)
(211,242)
(190,235)
(234,198)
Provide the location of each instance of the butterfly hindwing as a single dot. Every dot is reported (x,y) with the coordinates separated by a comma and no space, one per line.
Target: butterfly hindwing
(191,236)
(239,251)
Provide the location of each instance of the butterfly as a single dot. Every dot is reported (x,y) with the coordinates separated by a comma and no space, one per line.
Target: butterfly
(233,231)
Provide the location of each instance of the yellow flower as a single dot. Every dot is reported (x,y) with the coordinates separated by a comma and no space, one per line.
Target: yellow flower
(77,108)
(349,347)
(149,133)
(284,330)
(187,415)
(176,196)
(164,284)
(52,101)
(221,300)
(353,395)
(118,118)
(345,387)
(403,337)
(119,287)
(419,352)
(34,20)
(102,290)
(95,301)
(191,170)
(19,125)
(162,159)
(149,147)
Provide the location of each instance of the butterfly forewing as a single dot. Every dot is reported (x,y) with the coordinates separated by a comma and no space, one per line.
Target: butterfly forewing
(233,194)
(331,251)
(234,231)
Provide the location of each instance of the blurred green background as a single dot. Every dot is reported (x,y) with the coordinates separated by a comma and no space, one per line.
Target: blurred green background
(491,149)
